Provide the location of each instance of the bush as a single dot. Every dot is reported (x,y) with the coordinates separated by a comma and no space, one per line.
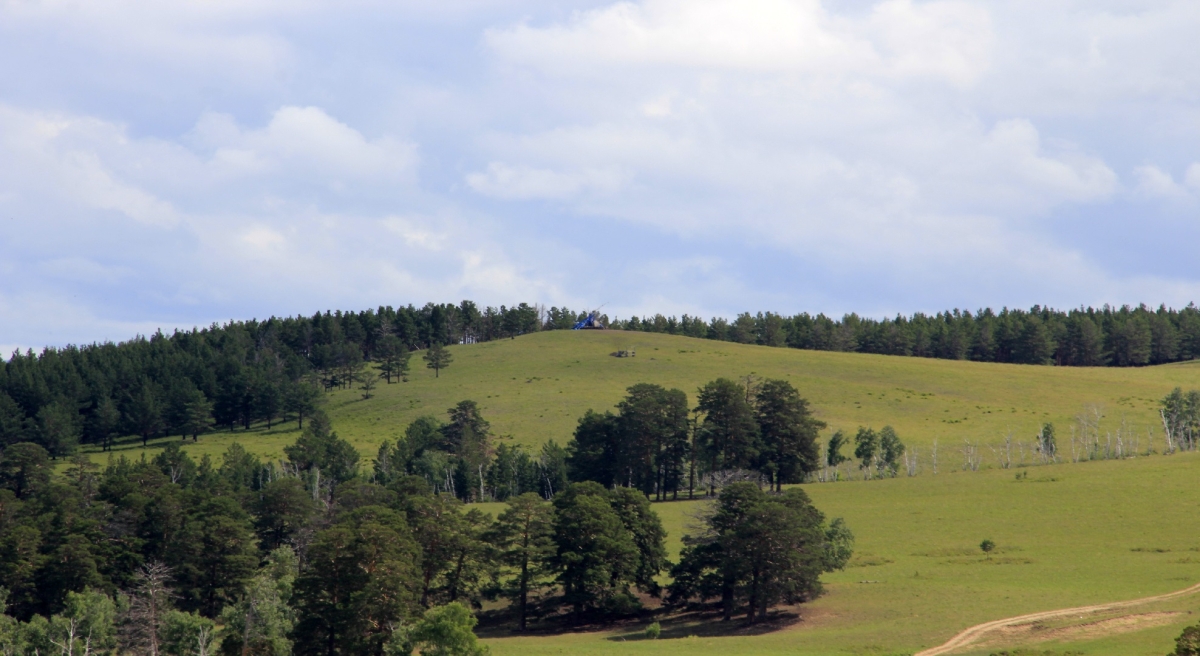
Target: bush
(653,631)
(1188,642)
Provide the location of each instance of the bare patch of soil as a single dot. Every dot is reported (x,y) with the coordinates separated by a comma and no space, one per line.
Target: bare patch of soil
(1041,632)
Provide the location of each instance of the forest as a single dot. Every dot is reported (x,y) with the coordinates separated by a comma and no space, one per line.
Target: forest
(318,554)
(245,372)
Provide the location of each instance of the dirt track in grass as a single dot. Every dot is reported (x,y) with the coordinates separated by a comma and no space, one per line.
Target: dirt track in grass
(979,632)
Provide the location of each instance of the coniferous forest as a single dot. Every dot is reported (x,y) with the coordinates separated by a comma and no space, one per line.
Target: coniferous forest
(322,553)
(318,554)
(249,371)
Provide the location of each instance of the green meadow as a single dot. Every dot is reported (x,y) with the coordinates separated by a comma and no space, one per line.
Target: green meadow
(534,388)
(1068,534)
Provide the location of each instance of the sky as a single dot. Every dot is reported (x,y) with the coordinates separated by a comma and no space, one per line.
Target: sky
(171,164)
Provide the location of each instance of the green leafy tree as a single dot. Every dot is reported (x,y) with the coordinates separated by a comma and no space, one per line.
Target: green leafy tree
(86,625)
(891,450)
(145,414)
(758,550)
(12,634)
(597,557)
(13,423)
(523,537)
(866,448)
(214,555)
(592,451)
(833,452)
(24,469)
(437,358)
(59,428)
(187,634)
(358,582)
(1188,642)
(319,447)
(261,621)
(651,439)
(437,526)
(197,415)
(728,437)
(368,387)
(788,431)
(393,356)
(302,398)
(648,535)
(103,423)
(283,508)
(469,437)
(1047,444)
(839,545)
(443,631)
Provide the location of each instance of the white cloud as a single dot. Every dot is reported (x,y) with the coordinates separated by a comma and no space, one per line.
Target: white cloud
(223,158)
(1192,177)
(1155,182)
(515,182)
(947,40)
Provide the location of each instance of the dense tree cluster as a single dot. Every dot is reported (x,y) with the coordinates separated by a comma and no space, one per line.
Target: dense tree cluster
(759,550)
(1119,337)
(315,554)
(653,445)
(230,375)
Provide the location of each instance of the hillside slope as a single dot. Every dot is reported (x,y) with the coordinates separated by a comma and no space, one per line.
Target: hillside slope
(534,388)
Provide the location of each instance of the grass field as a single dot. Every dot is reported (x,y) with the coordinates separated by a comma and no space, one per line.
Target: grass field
(1070,534)
(535,387)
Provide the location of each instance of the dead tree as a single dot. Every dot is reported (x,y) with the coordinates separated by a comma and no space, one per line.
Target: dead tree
(149,601)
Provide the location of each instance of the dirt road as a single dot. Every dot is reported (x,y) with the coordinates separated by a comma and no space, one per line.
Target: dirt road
(976,632)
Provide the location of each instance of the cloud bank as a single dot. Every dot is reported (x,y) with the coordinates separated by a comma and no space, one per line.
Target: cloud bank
(219,160)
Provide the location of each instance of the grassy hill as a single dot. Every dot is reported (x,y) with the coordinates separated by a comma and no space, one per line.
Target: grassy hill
(1069,534)
(535,387)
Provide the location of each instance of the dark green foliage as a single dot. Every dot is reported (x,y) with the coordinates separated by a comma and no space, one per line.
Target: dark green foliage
(891,449)
(214,555)
(24,469)
(393,357)
(597,556)
(319,448)
(1188,642)
(13,424)
(833,453)
(283,507)
(523,538)
(643,446)
(261,621)
(788,432)
(866,448)
(358,581)
(728,438)
(59,427)
(759,551)
(591,453)
(633,508)
(437,358)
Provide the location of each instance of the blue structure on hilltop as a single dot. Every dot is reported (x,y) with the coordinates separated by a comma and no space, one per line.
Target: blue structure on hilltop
(592,322)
